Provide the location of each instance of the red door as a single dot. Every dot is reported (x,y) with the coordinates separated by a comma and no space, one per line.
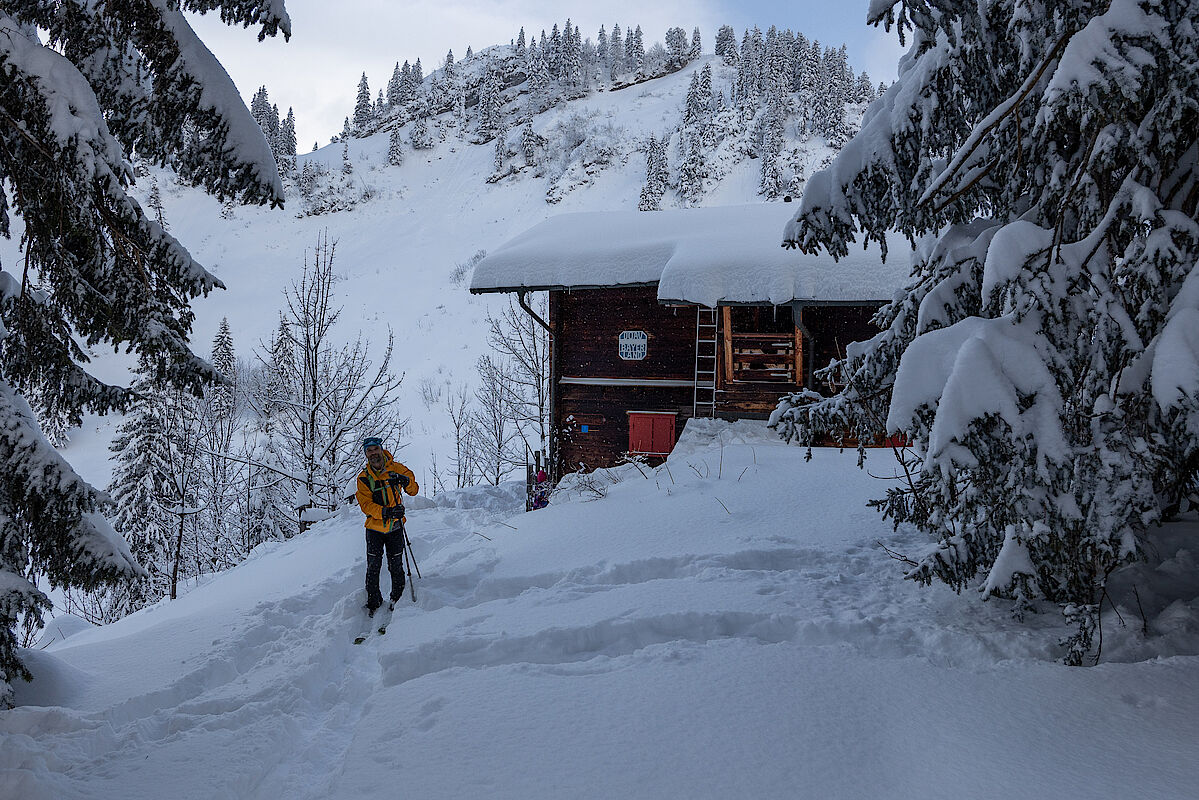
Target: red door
(651,433)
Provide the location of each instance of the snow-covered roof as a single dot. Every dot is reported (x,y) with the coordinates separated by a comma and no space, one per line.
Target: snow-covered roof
(709,256)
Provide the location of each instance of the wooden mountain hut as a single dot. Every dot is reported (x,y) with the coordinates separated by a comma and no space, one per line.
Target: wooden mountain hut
(658,317)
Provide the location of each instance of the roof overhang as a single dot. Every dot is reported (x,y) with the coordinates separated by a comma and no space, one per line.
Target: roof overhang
(666,301)
(561,288)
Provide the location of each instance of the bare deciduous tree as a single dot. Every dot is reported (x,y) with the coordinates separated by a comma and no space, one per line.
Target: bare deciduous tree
(494,421)
(326,398)
(456,402)
(521,342)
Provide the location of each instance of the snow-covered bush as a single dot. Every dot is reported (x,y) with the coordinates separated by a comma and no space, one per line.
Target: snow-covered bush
(584,148)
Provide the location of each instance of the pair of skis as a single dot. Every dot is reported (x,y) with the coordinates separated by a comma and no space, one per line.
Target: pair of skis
(409,563)
(383,621)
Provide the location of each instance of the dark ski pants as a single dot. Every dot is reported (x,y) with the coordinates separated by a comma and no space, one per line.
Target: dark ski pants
(376,543)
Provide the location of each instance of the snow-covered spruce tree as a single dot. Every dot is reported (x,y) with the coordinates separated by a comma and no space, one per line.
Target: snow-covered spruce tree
(539,80)
(832,93)
(270,503)
(53,416)
(422,139)
(677,48)
(287,143)
(395,85)
(616,54)
(267,117)
(656,169)
(531,143)
(691,169)
(863,89)
(570,62)
(602,56)
(154,201)
(112,78)
(501,148)
(726,44)
(138,488)
(364,109)
(553,51)
(771,129)
(491,101)
(698,104)
(1042,357)
(635,51)
(217,423)
(395,148)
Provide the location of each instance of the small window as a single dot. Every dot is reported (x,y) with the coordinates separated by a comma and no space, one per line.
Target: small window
(651,433)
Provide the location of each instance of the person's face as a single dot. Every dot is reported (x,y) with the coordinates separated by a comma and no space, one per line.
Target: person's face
(375,456)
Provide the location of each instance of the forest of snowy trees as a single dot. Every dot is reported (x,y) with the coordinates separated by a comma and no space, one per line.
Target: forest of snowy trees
(776,90)
(1041,361)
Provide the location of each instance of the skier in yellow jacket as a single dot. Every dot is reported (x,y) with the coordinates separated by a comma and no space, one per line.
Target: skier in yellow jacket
(378,496)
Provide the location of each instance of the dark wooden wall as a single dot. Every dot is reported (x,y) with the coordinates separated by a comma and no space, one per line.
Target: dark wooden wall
(834,327)
(603,409)
(590,320)
(586,326)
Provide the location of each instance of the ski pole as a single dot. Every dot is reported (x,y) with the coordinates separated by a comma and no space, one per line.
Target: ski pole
(405,544)
(408,549)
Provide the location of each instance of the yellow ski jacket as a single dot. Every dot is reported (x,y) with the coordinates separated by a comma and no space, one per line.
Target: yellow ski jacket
(373,493)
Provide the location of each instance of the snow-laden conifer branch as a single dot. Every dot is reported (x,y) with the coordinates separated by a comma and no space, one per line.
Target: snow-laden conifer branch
(1032,358)
(83,85)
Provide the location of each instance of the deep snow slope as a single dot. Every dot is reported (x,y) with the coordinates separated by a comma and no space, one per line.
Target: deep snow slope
(724,626)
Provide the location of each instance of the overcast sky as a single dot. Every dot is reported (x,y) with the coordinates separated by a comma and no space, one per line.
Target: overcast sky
(333,43)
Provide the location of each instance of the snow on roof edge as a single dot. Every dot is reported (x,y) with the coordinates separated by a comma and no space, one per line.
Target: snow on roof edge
(709,256)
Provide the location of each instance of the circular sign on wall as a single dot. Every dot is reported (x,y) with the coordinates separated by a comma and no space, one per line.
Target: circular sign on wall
(632,345)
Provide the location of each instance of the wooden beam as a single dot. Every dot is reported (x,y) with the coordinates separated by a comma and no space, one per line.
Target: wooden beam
(726,341)
(799,376)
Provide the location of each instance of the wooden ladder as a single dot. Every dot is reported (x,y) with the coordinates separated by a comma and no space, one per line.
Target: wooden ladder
(707,344)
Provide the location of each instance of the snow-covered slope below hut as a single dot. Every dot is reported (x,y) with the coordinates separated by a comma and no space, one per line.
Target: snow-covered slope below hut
(724,626)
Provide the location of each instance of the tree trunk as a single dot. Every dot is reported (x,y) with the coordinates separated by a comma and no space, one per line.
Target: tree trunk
(178,557)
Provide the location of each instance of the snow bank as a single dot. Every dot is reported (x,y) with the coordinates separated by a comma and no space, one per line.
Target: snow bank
(728,254)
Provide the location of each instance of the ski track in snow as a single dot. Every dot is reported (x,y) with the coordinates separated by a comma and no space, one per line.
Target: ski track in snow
(250,687)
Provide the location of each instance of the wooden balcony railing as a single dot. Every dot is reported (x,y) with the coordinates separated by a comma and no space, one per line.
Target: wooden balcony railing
(755,357)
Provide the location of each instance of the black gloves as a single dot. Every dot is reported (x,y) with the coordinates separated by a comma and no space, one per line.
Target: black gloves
(395,478)
(393,512)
